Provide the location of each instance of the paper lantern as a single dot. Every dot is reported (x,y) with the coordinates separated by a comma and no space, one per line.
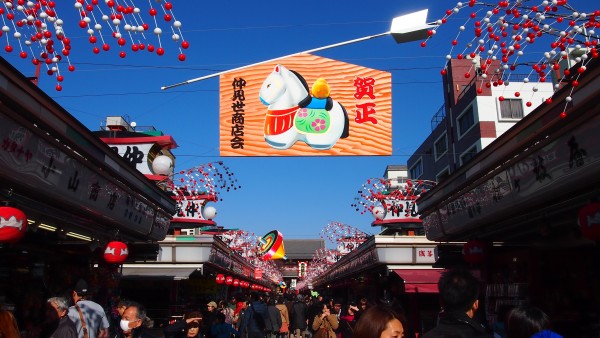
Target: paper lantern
(13,224)
(220,279)
(236,282)
(228,280)
(116,252)
(246,285)
(588,219)
(474,251)
(272,246)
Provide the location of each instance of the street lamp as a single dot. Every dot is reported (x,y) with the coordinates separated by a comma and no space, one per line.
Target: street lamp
(405,28)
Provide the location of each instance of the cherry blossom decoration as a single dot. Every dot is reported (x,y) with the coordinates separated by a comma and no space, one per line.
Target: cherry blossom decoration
(206,179)
(376,193)
(36,30)
(346,238)
(506,30)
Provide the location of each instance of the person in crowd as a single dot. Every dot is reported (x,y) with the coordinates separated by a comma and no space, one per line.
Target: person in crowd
(226,310)
(233,301)
(459,290)
(190,326)
(132,322)
(347,321)
(299,317)
(315,308)
(380,321)
(221,329)
(253,324)
(240,316)
(529,321)
(210,318)
(115,328)
(273,322)
(8,325)
(363,305)
(57,319)
(325,323)
(89,317)
(285,317)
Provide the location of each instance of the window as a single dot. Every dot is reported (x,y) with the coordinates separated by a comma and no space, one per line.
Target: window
(468,155)
(511,109)
(441,146)
(442,174)
(466,121)
(416,170)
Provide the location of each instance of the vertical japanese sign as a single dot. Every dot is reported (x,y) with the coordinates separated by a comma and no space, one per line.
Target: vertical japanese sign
(305,105)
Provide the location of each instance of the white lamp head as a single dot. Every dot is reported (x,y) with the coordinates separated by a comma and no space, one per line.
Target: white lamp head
(378,212)
(162,165)
(411,27)
(209,212)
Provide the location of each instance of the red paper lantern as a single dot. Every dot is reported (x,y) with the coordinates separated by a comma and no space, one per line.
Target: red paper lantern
(13,224)
(236,282)
(245,285)
(228,280)
(220,279)
(474,251)
(116,252)
(588,219)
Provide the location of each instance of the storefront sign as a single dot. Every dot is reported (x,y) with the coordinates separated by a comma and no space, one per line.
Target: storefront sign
(71,182)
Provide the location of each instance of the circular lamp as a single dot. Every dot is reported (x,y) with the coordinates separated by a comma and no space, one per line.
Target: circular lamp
(378,212)
(116,252)
(209,212)
(474,251)
(220,279)
(236,282)
(228,280)
(162,165)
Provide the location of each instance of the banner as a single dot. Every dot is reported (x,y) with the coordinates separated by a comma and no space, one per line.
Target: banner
(305,105)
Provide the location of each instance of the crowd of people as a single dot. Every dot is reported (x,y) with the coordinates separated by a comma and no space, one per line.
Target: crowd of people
(283,316)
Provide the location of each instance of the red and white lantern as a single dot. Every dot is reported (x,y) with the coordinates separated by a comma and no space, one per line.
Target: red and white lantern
(116,252)
(228,280)
(236,282)
(474,251)
(220,279)
(13,224)
(588,219)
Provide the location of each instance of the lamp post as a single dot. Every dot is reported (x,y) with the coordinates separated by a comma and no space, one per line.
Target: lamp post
(404,28)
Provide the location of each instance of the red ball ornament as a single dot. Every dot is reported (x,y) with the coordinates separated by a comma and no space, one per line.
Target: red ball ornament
(528,104)
(58,88)
(423,44)
(181,57)
(13,224)
(220,279)
(160,51)
(185,45)
(116,252)
(228,280)
(563,115)
(474,251)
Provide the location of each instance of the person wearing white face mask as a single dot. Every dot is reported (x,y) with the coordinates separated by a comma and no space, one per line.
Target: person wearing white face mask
(132,322)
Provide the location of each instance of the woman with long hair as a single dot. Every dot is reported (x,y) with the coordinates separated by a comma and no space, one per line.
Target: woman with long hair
(325,323)
(8,325)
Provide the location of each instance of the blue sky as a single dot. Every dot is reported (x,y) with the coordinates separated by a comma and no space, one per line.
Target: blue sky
(298,196)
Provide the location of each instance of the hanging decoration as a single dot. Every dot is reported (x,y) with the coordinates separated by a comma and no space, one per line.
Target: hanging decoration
(272,246)
(346,238)
(13,224)
(220,279)
(236,282)
(116,252)
(589,221)
(474,251)
(505,30)
(36,30)
(228,280)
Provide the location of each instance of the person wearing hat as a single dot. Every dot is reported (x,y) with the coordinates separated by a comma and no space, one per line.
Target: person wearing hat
(89,317)
(210,317)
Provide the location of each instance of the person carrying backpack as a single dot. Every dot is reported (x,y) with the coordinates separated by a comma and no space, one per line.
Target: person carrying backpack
(253,324)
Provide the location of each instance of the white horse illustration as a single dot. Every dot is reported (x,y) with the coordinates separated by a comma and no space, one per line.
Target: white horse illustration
(292,117)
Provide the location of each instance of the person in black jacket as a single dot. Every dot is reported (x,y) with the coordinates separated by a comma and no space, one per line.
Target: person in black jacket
(188,327)
(132,322)
(459,290)
(298,318)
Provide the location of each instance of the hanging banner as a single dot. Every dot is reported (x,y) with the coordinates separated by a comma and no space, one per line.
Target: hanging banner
(305,105)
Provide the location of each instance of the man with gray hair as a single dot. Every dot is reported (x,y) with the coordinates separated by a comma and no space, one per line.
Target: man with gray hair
(58,310)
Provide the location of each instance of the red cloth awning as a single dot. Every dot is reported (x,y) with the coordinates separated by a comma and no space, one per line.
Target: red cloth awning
(420,280)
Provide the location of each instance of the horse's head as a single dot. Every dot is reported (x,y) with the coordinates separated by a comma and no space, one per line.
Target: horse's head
(283,87)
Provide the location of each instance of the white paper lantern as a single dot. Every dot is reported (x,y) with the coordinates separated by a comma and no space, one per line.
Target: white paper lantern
(162,165)
(209,212)
(378,212)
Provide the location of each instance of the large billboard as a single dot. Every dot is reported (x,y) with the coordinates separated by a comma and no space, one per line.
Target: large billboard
(305,105)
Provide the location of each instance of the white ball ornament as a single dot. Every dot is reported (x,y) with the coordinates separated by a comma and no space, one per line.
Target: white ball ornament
(568,99)
(177,24)
(378,212)
(209,212)
(162,165)
(157,31)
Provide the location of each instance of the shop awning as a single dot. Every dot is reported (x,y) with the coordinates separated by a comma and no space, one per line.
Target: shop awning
(420,280)
(173,271)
